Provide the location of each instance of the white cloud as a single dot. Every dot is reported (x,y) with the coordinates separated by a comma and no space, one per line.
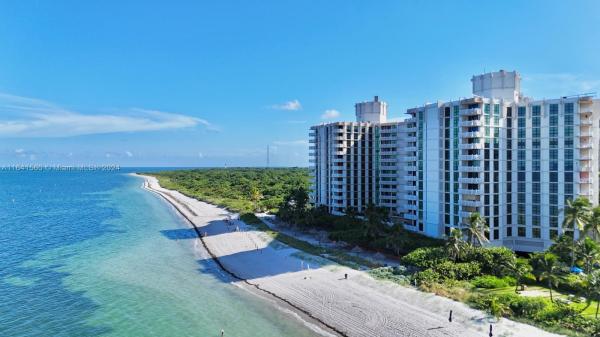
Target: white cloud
(128,154)
(19,151)
(290,105)
(330,114)
(291,142)
(29,117)
(200,155)
(558,84)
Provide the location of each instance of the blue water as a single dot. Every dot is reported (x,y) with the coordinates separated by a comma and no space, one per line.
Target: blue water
(91,253)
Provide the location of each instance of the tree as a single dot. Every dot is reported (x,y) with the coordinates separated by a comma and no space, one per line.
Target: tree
(394,238)
(592,227)
(519,268)
(455,244)
(577,213)
(593,288)
(476,229)
(550,270)
(376,217)
(589,251)
(255,196)
(535,261)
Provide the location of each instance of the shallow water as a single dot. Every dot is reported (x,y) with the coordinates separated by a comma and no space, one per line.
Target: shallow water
(91,253)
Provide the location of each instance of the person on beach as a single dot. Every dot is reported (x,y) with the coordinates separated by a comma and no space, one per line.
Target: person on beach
(345,276)
(222,332)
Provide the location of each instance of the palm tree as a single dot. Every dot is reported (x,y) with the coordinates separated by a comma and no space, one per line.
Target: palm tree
(455,244)
(476,229)
(519,268)
(593,288)
(376,217)
(589,251)
(394,238)
(592,228)
(550,270)
(577,214)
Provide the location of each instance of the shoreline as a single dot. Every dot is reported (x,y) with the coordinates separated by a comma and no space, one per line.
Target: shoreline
(295,310)
(358,306)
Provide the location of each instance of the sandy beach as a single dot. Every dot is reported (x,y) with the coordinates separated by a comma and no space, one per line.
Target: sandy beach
(316,287)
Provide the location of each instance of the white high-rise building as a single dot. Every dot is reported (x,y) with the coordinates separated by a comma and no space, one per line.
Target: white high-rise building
(511,158)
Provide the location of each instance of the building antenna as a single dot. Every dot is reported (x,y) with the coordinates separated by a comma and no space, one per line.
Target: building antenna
(267,156)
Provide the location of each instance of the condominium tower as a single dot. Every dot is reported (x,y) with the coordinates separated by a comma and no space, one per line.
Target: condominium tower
(513,159)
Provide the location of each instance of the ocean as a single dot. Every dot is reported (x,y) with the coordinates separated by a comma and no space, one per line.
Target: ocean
(90,253)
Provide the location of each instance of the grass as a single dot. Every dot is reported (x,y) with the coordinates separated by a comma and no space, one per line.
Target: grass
(587,311)
(335,255)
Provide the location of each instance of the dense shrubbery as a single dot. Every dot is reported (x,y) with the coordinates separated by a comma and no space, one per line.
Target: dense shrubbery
(238,189)
(371,230)
(493,282)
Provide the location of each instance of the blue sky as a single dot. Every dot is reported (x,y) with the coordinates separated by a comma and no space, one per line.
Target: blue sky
(199,83)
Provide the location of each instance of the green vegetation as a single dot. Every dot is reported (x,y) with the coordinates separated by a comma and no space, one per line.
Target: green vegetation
(371,230)
(539,290)
(331,254)
(237,189)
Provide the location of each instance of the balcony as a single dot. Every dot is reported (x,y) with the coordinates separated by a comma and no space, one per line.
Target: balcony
(465,214)
(471,157)
(410,216)
(468,191)
(407,206)
(587,193)
(472,134)
(410,178)
(585,157)
(472,146)
(471,123)
(470,112)
(410,149)
(585,168)
(409,188)
(470,180)
(337,189)
(471,203)
(471,168)
(585,181)
(312,140)
(407,196)
(410,168)
(585,134)
(585,122)
(585,145)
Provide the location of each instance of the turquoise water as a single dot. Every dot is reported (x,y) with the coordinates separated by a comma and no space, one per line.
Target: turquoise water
(91,253)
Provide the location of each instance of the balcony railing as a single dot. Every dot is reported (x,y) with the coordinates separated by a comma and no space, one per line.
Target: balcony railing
(471,157)
(472,146)
(472,123)
(470,112)
(472,134)
(470,180)
(471,203)
(469,191)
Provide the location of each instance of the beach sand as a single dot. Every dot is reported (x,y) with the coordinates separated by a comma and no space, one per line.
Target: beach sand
(358,306)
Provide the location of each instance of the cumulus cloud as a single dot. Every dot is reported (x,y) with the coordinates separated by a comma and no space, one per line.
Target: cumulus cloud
(30,117)
(330,114)
(290,105)
(200,155)
(128,154)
